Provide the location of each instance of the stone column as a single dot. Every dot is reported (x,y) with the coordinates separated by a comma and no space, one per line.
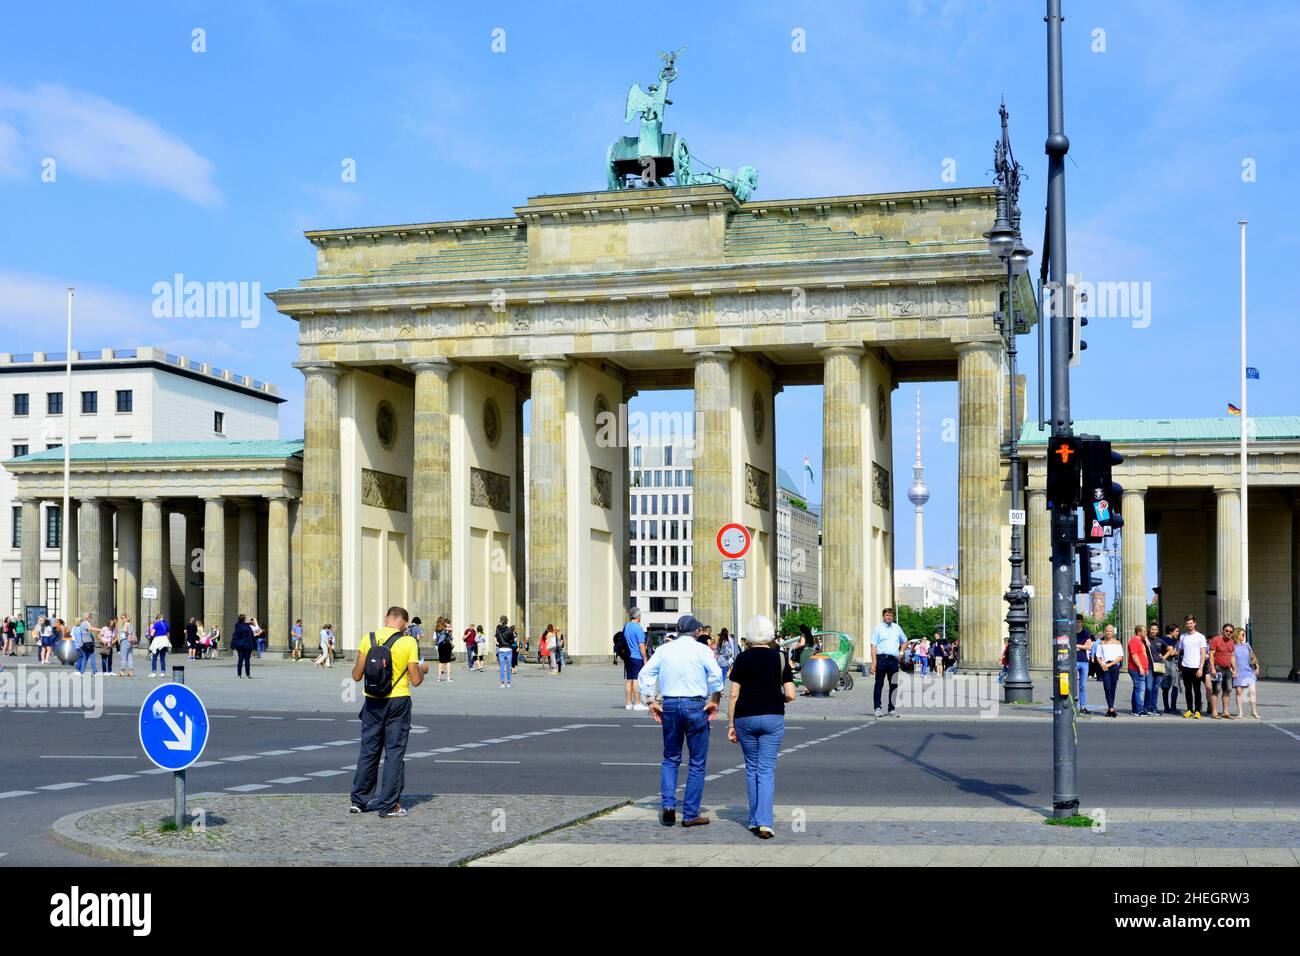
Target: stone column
(214,566)
(295,564)
(981,505)
(322,541)
(844,580)
(1295,590)
(711,495)
(277,623)
(1227,557)
(128,561)
(69,602)
(431,487)
(91,567)
(521,524)
(548,525)
(107,581)
(625,559)
(1038,570)
(153,560)
(30,559)
(247,592)
(1133,555)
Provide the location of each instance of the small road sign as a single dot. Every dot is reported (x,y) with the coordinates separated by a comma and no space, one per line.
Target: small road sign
(733,570)
(1017,516)
(173,726)
(149,594)
(733,540)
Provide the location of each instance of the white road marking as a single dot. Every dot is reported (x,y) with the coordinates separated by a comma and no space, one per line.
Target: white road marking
(495,740)
(618,764)
(1284,731)
(470,746)
(447,750)
(153,771)
(310,747)
(283,780)
(256,717)
(273,753)
(16,793)
(248,787)
(113,778)
(340,743)
(205,763)
(325,773)
(476,761)
(63,786)
(315,718)
(240,758)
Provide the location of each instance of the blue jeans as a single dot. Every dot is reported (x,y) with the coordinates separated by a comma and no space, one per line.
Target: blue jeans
(1139,691)
(925,664)
(760,740)
(504,655)
(82,658)
(160,659)
(1153,691)
(684,719)
(261,646)
(1081,668)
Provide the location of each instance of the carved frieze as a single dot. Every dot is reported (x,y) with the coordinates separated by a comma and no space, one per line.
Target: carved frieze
(382,490)
(487,489)
(602,488)
(758,487)
(880,491)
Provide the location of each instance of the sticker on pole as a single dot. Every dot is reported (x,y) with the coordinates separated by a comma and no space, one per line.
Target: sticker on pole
(173,727)
(733,540)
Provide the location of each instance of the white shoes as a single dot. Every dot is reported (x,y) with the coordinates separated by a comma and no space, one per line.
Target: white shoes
(640,707)
(628,707)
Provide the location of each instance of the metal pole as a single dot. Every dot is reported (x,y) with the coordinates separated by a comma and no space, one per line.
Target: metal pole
(1019,687)
(1245,436)
(64,601)
(1065,795)
(178,776)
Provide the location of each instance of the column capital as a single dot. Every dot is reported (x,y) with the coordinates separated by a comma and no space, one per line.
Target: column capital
(829,348)
(329,370)
(538,360)
(978,345)
(1224,492)
(439,364)
(1135,493)
(705,353)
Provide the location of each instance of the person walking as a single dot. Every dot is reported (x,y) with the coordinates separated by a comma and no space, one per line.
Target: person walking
(1222,659)
(243,643)
(1110,655)
(634,661)
(1139,669)
(886,646)
(1191,663)
(388,661)
(7,629)
(1245,673)
(505,641)
(126,640)
(762,683)
(326,639)
(160,643)
(690,686)
(470,637)
(107,641)
(443,641)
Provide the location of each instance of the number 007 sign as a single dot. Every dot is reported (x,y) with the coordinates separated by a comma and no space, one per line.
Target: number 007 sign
(733,540)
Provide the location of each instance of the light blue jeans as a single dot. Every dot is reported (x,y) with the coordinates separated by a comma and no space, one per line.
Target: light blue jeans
(760,740)
(1081,667)
(684,721)
(504,655)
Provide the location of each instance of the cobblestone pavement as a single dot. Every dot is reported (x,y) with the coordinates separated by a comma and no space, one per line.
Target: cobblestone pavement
(301,829)
(595,691)
(930,836)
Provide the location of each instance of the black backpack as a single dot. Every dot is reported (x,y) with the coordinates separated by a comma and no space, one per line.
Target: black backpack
(379,678)
(621,649)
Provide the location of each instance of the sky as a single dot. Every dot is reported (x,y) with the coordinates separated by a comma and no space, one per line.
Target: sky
(133,149)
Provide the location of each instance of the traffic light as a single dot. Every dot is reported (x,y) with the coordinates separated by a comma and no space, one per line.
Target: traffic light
(1089,569)
(1102,497)
(1077,321)
(1063,470)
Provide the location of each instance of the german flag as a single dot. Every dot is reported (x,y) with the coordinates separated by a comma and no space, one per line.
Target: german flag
(1233,409)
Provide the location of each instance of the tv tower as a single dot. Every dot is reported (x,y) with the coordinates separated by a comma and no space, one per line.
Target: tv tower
(919,493)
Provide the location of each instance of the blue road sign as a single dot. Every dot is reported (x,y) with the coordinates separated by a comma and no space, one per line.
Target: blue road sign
(173,726)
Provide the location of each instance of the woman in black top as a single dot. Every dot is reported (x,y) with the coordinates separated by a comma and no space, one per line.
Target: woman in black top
(243,642)
(761,685)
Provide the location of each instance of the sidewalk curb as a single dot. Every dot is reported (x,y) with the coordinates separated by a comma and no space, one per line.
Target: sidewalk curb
(64,831)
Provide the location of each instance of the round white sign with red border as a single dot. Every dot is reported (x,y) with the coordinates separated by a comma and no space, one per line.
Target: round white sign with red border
(733,540)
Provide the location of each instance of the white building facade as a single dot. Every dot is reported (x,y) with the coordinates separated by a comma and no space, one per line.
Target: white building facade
(117,395)
(922,589)
(659,532)
(798,548)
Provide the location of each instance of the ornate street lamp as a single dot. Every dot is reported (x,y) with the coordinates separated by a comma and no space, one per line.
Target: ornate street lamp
(1005,243)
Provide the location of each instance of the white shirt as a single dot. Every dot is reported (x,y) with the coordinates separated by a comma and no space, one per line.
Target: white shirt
(684,668)
(1109,652)
(1192,646)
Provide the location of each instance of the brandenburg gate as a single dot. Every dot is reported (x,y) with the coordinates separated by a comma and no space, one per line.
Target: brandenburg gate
(420,344)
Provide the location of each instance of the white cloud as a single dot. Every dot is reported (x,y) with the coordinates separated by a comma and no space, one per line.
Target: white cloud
(93,137)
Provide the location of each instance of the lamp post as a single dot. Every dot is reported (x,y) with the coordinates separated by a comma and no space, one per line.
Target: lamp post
(1005,243)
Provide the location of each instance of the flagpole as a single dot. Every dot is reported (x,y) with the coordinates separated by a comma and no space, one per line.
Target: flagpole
(67,473)
(1245,429)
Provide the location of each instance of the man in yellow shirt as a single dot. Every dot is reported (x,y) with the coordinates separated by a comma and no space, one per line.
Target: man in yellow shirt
(389,674)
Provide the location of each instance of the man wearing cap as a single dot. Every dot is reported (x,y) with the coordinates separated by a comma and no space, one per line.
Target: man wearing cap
(690,684)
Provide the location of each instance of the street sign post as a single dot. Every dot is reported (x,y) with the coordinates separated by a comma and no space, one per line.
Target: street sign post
(173,727)
(733,542)
(733,570)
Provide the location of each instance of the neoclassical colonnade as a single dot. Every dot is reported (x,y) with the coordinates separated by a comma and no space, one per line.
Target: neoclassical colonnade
(1181,481)
(210,528)
(420,344)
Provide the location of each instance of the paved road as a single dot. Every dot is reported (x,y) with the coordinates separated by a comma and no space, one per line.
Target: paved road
(53,763)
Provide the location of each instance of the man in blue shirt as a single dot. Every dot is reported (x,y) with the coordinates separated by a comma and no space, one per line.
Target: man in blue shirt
(886,642)
(690,683)
(634,634)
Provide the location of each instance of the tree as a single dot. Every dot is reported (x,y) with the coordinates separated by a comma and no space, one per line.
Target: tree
(809,614)
(926,622)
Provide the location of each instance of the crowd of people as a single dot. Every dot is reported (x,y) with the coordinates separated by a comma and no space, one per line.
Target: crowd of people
(1221,670)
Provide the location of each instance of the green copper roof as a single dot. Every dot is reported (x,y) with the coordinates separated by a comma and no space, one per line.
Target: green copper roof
(1270,428)
(169,450)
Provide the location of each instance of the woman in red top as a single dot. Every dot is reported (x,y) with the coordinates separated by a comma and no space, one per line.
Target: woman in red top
(1139,665)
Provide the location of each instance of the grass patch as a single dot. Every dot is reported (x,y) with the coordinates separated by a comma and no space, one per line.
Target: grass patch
(1078,820)
(168,826)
